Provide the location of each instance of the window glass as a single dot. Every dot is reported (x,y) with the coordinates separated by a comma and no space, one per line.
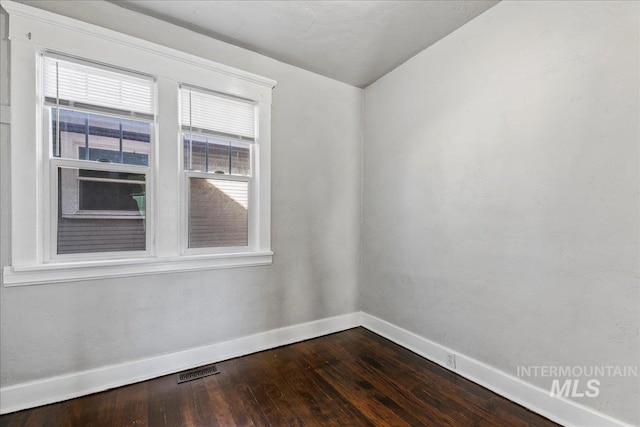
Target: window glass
(111,191)
(216,155)
(196,154)
(240,158)
(100,211)
(87,136)
(218,213)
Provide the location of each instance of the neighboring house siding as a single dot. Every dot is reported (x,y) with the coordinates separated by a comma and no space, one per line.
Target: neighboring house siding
(100,235)
(215,218)
(82,235)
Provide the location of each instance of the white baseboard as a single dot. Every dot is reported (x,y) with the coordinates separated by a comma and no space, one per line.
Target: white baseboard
(538,400)
(56,389)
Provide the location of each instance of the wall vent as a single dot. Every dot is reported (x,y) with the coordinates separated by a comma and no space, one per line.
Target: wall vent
(194,374)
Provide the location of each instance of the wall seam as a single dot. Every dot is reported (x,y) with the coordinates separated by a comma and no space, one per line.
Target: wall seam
(360,283)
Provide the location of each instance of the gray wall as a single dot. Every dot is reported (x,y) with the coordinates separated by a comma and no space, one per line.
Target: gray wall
(501,184)
(316,144)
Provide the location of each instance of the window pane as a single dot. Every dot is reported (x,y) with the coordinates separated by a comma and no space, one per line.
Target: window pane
(218,213)
(240,158)
(101,138)
(100,211)
(195,153)
(208,154)
(205,154)
(218,156)
(111,191)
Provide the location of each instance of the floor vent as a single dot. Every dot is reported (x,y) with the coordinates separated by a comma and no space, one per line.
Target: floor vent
(194,374)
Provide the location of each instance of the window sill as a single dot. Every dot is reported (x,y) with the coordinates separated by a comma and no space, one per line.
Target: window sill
(95,270)
(84,215)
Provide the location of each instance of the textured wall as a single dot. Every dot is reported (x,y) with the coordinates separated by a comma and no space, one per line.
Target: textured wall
(316,144)
(501,185)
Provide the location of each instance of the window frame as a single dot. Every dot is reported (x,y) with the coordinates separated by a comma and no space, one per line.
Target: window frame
(32,32)
(52,163)
(250,179)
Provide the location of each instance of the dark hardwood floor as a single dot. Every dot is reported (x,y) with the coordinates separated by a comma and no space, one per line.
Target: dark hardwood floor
(352,378)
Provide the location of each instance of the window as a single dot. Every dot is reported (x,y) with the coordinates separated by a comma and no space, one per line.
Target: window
(138,159)
(98,117)
(217,133)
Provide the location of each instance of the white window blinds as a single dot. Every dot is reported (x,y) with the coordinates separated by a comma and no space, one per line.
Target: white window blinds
(206,112)
(74,83)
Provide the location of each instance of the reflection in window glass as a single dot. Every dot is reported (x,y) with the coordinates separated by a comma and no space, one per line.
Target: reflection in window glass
(216,155)
(195,153)
(86,136)
(240,158)
(111,191)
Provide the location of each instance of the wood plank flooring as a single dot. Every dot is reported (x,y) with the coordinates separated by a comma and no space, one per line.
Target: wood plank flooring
(351,378)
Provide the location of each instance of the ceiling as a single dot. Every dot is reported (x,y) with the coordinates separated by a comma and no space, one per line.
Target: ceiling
(356,42)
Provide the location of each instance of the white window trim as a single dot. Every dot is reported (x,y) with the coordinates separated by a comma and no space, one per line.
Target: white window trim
(32,31)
